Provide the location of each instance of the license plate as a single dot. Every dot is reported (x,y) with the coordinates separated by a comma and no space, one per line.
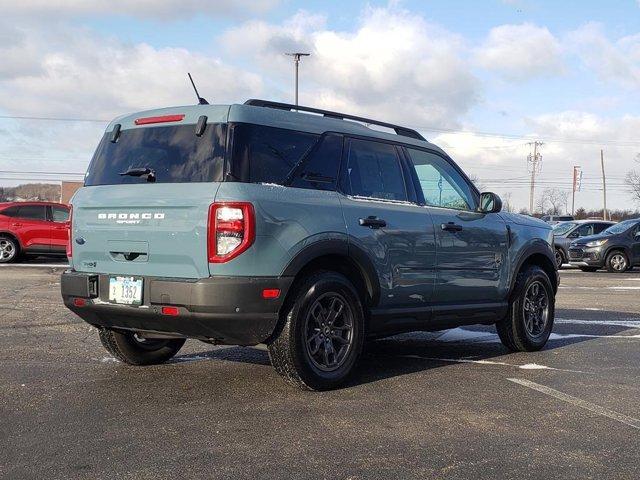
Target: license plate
(125,290)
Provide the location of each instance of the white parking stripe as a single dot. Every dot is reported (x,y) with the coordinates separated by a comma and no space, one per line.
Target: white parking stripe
(34,265)
(565,287)
(608,323)
(592,407)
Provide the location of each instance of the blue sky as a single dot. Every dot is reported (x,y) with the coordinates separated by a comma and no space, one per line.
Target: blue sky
(566,73)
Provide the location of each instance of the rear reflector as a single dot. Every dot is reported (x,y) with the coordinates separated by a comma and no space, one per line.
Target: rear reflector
(160,119)
(173,311)
(271,293)
(79,302)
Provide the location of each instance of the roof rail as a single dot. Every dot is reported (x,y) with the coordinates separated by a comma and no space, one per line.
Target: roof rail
(405,132)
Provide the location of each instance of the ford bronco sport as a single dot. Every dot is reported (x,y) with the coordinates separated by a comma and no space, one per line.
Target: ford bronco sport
(302,229)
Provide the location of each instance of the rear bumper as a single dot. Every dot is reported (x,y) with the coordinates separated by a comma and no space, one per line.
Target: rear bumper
(228,310)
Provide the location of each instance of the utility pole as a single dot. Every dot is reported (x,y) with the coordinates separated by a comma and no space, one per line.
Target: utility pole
(605,215)
(296,60)
(577,185)
(534,161)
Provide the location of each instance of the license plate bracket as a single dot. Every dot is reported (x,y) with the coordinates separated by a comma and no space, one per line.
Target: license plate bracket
(125,290)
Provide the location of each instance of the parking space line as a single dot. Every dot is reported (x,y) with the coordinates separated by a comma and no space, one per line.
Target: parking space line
(592,407)
(34,265)
(631,323)
(526,366)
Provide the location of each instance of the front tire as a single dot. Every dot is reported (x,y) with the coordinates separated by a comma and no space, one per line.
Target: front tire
(323,334)
(617,262)
(132,349)
(528,324)
(9,249)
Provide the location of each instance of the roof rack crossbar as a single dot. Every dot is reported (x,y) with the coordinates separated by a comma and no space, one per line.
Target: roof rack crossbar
(403,131)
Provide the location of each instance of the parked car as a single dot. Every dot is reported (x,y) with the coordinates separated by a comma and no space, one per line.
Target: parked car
(33,228)
(298,228)
(555,219)
(566,232)
(617,248)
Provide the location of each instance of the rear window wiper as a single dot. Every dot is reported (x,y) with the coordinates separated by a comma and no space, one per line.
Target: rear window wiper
(141,172)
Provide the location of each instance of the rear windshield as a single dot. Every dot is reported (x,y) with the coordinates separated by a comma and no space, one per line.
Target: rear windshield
(175,154)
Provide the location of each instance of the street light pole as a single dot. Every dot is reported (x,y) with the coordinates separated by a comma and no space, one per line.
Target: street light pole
(296,60)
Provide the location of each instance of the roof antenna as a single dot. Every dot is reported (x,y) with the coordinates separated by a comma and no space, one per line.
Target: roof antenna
(201,101)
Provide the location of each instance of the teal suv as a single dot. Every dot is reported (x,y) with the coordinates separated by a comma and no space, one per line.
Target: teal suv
(307,230)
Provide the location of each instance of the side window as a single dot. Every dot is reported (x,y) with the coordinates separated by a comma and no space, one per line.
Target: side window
(320,169)
(32,212)
(374,171)
(585,230)
(267,154)
(600,227)
(10,212)
(60,214)
(442,185)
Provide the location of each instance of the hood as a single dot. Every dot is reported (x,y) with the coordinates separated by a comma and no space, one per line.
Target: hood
(591,238)
(524,220)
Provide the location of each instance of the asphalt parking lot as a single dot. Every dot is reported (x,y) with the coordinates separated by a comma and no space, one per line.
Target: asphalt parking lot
(430,405)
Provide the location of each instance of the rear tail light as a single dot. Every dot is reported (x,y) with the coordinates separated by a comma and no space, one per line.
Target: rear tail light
(172,311)
(231,230)
(69,231)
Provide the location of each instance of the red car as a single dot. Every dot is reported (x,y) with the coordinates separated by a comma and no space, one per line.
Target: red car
(37,228)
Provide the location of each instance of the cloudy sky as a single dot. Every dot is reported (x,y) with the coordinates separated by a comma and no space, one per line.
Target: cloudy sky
(479,78)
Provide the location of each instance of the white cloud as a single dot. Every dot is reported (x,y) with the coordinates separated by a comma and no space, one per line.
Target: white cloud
(519,52)
(75,73)
(158,9)
(394,65)
(571,138)
(617,61)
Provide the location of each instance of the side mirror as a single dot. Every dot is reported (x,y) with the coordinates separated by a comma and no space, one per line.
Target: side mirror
(489,203)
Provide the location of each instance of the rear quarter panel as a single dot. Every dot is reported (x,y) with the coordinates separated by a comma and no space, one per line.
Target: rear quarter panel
(287,220)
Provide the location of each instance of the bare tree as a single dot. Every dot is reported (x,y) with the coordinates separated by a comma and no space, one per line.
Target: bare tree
(632,180)
(553,201)
(506,202)
(476,181)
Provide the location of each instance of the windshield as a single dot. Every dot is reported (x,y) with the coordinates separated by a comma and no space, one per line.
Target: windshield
(563,228)
(620,227)
(173,154)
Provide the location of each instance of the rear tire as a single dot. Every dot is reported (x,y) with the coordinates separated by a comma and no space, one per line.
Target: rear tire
(528,324)
(323,333)
(617,262)
(133,350)
(589,269)
(9,249)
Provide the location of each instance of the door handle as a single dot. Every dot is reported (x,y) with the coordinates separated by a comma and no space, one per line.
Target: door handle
(16,224)
(372,222)
(451,227)
(61,228)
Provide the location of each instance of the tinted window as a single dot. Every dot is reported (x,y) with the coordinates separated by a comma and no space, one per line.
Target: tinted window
(320,170)
(266,154)
(32,212)
(442,185)
(374,171)
(10,212)
(584,230)
(599,227)
(175,154)
(60,214)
